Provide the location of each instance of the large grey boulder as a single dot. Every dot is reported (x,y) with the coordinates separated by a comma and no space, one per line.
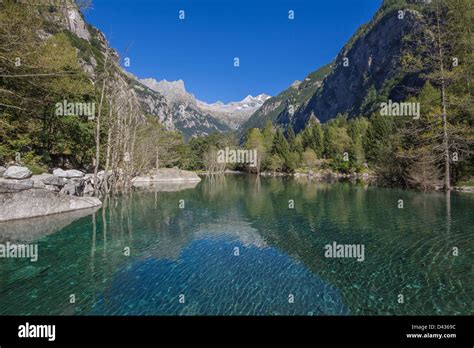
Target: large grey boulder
(2,170)
(7,185)
(167,175)
(68,174)
(39,202)
(54,181)
(17,172)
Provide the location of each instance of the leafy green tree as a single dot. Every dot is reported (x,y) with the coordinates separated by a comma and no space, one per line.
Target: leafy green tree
(336,140)
(298,144)
(357,131)
(256,141)
(276,163)
(310,158)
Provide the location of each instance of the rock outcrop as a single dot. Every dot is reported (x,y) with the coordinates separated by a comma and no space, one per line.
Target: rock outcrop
(40,202)
(69,174)
(17,172)
(29,230)
(25,196)
(282,108)
(8,185)
(166,175)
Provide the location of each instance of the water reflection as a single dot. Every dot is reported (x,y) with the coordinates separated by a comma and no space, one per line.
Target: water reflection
(190,251)
(29,230)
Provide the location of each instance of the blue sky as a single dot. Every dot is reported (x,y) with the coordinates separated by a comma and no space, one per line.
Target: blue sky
(273,50)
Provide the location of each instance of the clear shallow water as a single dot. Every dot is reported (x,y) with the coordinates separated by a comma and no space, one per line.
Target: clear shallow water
(192,252)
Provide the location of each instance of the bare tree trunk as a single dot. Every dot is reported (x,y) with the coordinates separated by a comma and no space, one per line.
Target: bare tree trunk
(97,134)
(157,158)
(132,153)
(107,159)
(447,180)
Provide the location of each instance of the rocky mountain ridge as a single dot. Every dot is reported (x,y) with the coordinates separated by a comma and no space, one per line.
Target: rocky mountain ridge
(174,107)
(195,115)
(368,69)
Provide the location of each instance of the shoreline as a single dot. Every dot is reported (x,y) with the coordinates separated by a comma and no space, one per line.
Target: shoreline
(42,195)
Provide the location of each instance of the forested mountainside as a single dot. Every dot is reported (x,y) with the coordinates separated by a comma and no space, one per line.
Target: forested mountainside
(397,99)
(345,116)
(50,55)
(282,108)
(375,65)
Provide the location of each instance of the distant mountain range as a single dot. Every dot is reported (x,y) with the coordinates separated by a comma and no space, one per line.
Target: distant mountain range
(190,115)
(234,114)
(368,69)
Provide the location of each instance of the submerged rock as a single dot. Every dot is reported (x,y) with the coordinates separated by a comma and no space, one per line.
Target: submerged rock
(40,202)
(469,189)
(165,186)
(16,172)
(28,230)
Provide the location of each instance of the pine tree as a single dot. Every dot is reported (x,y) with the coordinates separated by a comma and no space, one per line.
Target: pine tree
(291,138)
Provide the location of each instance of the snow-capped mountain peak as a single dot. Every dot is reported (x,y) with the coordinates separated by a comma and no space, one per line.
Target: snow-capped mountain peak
(233,114)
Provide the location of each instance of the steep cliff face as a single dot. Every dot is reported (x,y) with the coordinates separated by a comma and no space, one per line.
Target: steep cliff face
(177,111)
(368,70)
(154,104)
(92,47)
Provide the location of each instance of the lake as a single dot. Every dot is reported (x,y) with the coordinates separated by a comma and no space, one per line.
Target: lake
(243,245)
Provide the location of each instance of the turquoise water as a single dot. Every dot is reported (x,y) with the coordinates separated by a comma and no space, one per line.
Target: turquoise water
(236,247)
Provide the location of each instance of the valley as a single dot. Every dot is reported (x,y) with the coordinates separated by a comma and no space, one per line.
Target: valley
(329,173)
